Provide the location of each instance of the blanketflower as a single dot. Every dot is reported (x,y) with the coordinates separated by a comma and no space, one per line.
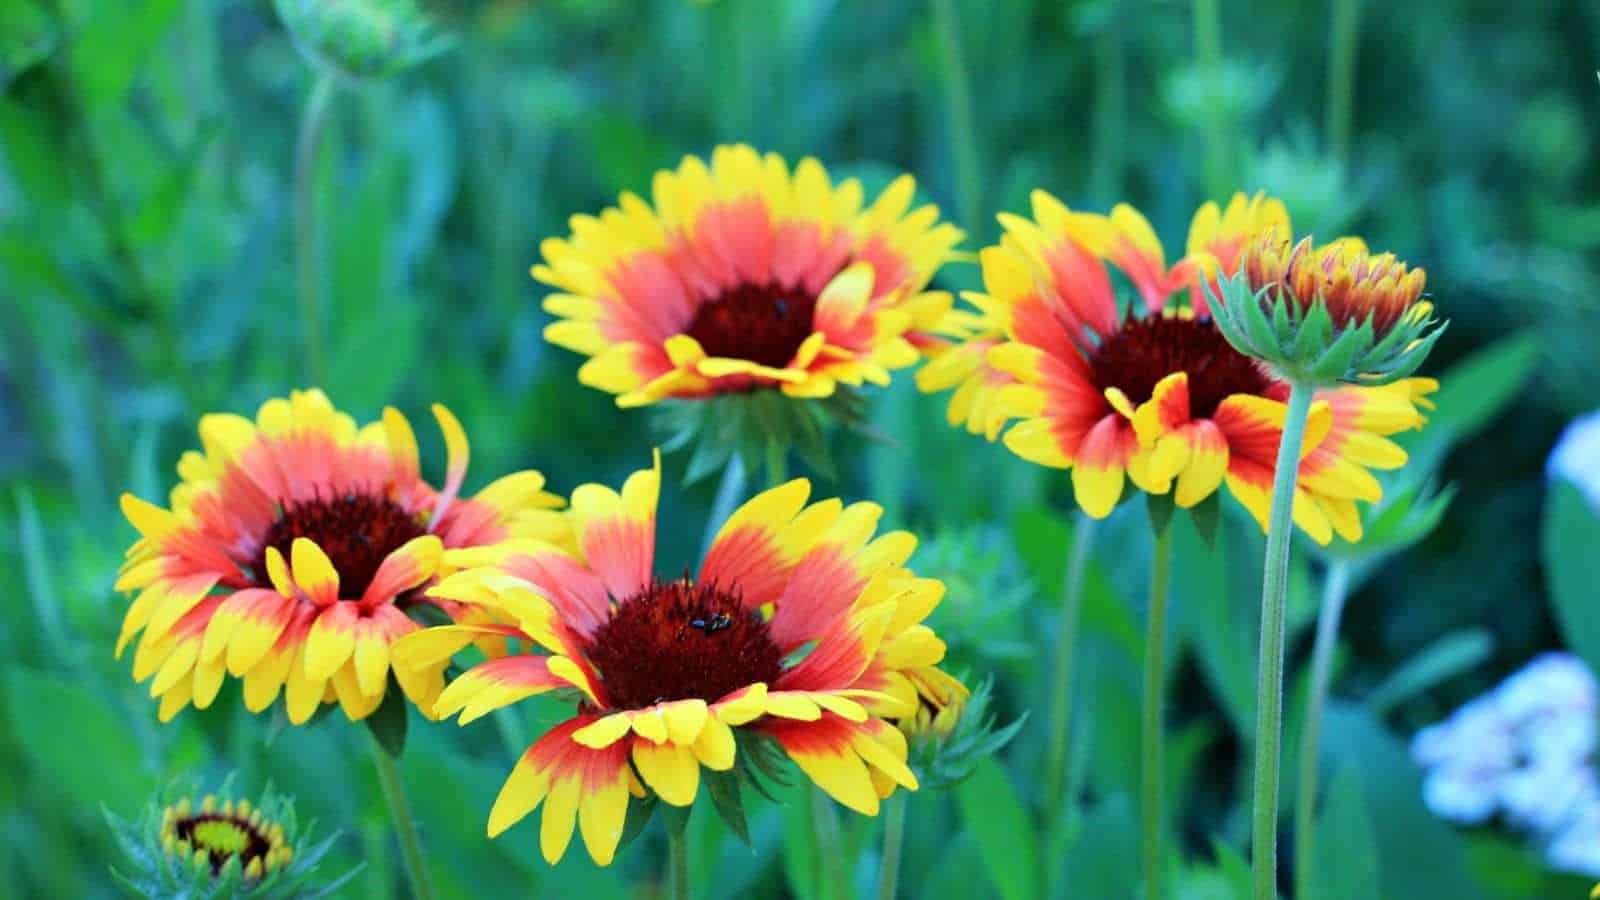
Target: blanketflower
(294,550)
(800,629)
(1154,393)
(1329,314)
(746,275)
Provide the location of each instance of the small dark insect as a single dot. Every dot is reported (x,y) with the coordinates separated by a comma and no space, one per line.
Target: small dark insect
(783,307)
(714,624)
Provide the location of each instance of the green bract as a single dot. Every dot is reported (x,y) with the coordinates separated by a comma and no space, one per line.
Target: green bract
(1302,344)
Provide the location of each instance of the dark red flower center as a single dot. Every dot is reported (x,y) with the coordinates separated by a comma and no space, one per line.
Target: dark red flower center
(357,531)
(677,640)
(222,837)
(764,323)
(1145,350)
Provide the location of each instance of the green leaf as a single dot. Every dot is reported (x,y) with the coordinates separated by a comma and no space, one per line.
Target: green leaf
(675,818)
(1418,855)
(1100,864)
(1456,652)
(1347,848)
(1571,534)
(95,762)
(388,722)
(1471,393)
(113,44)
(993,811)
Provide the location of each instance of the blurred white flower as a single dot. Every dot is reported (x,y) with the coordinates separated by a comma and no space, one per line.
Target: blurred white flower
(1576,456)
(1524,752)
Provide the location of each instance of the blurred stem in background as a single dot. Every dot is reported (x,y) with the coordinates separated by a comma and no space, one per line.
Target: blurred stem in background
(405,825)
(677,864)
(1110,111)
(1341,74)
(729,492)
(313,122)
(1066,645)
(963,137)
(1269,677)
(1152,760)
(894,835)
(1335,589)
(1208,54)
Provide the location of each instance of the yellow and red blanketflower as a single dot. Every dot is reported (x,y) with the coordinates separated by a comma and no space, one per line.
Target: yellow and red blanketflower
(294,547)
(800,628)
(1355,283)
(1157,395)
(744,275)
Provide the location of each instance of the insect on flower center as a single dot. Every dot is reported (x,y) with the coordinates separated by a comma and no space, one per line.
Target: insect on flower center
(1145,350)
(357,531)
(763,323)
(221,837)
(677,640)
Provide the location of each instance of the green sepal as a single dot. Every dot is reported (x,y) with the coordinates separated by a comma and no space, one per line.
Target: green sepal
(729,804)
(1314,333)
(640,811)
(676,818)
(1206,515)
(713,429)
(1335,362)
(1160,507)
(388,722)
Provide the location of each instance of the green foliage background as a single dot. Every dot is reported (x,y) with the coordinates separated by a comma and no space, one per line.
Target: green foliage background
(146,276)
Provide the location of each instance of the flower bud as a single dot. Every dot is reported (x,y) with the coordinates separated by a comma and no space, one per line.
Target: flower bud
(362,38)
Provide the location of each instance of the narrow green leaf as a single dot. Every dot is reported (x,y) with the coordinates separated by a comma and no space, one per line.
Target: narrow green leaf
(992,810)
(1347,847)
(1440,661)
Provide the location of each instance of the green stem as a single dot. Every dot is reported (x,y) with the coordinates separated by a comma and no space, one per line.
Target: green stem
(405,826)
(777,463)
(1269,680)
(729,492)
(1334,591)
(1066,645)
(1110,111)
(678,864)
(825,827)
(1208,53)
(963,137)
(1341,74)
(894,836)
(1151,757)
(312,123)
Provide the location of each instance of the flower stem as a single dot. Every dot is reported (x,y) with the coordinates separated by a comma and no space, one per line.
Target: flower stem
(1341,74)
(1334,591)
(405,826)
(1066,646)
(729,492)
(894,835)
(1151,758)
(969,178)
(312,122)
(825,827)
(1110,111)
(1208,53)
(1269,679)
(678,864)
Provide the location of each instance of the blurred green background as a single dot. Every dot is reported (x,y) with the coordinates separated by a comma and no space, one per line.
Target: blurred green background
(147,276)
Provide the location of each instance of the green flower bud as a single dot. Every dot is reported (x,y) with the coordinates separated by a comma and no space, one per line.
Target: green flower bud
(362,38)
